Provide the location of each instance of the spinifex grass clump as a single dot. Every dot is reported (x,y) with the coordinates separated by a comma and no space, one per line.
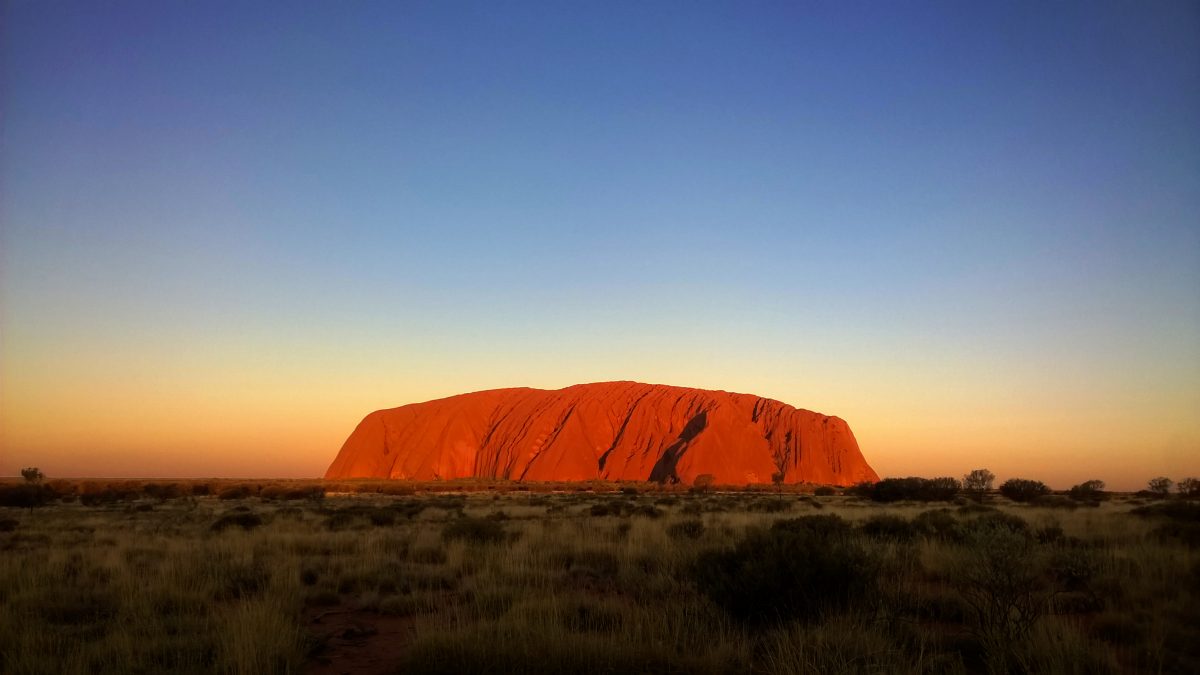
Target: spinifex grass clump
(474,530)
(797,569)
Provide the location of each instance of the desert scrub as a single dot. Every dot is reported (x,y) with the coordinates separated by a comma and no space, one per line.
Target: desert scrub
(1002,580)
(119,590)
(798,569)
(245,520)
(474,530)
(691,528)
(145,592)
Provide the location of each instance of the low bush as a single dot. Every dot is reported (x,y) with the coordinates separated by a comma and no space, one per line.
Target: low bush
(1023,489)
(474,530)
(796,570)
(888,526)
(25,495)
(996,521)
(1179,520)
(912,488)
(1088,491)
(235,492)
(243,519)
(938,524)
(822,527)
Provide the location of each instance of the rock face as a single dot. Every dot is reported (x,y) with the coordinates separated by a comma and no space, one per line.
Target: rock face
(609,431)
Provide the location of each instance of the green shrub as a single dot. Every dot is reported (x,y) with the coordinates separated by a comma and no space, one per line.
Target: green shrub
(825,491)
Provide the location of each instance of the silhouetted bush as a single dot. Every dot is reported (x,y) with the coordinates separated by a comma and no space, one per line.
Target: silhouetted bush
(474,530)
(1023,489)
(1157,487)
(825,491)
(1088,491)
(1189,488)
(912,488)
(25,495)
(978,482)
(796,570)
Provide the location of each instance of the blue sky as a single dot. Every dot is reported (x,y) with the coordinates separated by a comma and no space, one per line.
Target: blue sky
(972,230)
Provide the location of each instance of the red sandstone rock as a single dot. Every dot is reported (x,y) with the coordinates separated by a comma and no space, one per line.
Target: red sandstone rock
(609,431)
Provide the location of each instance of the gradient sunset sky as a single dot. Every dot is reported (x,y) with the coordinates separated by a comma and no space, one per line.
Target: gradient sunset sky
(231,229)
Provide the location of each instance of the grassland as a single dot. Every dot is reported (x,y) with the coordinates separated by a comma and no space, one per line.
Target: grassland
(285,578)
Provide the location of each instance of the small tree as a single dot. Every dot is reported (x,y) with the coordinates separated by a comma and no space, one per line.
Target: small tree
(1189,488)
(978,481)
(1160,486)
(703,482)
(32,475)
(1023,489)
(777,479)
(1088,491)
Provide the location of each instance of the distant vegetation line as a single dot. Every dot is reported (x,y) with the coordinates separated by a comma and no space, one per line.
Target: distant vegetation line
(33,488)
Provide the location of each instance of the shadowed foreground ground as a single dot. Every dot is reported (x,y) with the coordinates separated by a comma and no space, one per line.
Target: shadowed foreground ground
(582,582)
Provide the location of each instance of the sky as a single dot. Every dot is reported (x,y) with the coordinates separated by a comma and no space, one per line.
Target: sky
(231,229)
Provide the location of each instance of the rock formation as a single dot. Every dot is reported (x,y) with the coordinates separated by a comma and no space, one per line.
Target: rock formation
(608,431)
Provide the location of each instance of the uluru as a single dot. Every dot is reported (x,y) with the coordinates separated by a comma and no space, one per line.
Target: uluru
(608,431)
